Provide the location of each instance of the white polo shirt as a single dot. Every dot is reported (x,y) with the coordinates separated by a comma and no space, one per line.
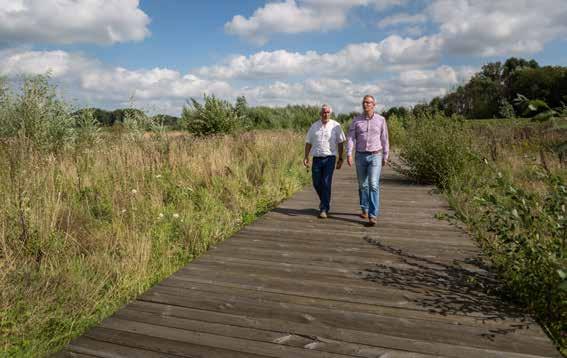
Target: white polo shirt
(324,138)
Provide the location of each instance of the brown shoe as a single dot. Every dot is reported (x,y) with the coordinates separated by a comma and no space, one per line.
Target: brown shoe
(364,215)
(372,221)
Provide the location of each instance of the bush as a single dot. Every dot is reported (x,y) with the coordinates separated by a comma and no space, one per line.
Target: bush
(527,243)
(396,130)
(215,116)
(436,148)
(35,115)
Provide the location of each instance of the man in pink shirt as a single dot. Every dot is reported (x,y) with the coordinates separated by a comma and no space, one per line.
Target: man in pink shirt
(368,136)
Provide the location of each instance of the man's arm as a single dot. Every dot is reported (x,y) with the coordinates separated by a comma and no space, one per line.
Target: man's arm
(350,141)
(340,148)
(306,156)
(385,141)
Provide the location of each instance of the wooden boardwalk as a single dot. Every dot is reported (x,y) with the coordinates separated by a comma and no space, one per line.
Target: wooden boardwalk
(292,285)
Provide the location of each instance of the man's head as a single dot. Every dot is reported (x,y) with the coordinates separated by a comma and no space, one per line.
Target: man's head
(368,104)
(326,111)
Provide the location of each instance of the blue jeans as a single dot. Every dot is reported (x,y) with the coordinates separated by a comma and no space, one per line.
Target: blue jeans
(368,167)
(322,174)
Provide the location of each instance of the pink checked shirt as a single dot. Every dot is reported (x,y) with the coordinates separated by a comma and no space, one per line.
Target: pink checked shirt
(370,135)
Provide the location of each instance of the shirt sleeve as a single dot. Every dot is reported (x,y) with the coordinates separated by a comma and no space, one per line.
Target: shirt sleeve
(339,134)
(385,141)
(309,135)
(350,137)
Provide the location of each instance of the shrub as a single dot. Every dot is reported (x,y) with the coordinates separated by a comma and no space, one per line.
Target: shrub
(215,116)
(35,115)
(396,130)
(526,242)
(436,148)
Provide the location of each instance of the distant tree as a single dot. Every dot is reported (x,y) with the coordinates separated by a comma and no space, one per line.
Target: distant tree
(214,116)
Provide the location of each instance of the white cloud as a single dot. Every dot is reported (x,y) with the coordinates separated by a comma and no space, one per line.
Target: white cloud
(72,21)
(364,59)
(164,90)
(292,17)
(345,95)
(286,17)
(498,27)
(88,80)
(441,77)
(402,19)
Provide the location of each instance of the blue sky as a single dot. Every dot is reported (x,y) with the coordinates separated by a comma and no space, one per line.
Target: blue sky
(155,54)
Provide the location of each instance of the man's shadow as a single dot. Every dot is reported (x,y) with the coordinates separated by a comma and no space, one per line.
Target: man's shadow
(339,216)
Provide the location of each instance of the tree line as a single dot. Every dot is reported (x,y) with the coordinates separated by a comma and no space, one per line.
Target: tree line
(515,88)
(117,116)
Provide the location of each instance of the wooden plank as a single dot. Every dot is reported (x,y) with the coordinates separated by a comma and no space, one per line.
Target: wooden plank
(330,237)
(69,354)
(427,331)
(162,345)
(246,348)
(376,248)
(389,343)
(518,325)
(236,327)
(88,346)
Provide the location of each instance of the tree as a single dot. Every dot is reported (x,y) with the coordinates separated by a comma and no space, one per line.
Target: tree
(215,116)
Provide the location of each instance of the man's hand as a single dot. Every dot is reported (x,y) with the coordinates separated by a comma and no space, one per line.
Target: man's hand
(306,162)
(339,163)
(349,160)
(384,162)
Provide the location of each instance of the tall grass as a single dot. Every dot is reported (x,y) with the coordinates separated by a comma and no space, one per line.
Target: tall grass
(512,195)
(90,223)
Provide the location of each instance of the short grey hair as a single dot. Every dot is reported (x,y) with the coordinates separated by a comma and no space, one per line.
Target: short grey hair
(369,96)
(328,107)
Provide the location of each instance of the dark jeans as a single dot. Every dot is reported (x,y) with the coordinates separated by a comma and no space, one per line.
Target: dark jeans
(322,174)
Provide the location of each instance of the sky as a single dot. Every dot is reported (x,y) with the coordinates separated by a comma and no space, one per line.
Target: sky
(156,54)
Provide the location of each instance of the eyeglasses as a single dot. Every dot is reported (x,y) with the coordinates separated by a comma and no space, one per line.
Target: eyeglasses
(326,112)
(368,102)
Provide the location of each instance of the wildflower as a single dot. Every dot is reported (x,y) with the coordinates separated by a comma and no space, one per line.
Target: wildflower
(160,215)
(158,176)
(123,211)
(134,191)
(175,216)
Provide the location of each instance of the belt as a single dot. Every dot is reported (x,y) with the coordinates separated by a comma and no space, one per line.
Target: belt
(374,152)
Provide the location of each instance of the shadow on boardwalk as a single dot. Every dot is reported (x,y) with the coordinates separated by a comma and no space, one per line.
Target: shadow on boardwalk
(447,289)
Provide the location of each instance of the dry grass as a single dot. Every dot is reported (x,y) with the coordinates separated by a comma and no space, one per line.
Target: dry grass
(83,232)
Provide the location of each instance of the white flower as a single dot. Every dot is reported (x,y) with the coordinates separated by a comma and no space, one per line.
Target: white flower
(123,211)
(175,216)
(134,191)
(160,215)
(158,176)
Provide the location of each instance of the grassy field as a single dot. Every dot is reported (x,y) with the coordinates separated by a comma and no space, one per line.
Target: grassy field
(83,232)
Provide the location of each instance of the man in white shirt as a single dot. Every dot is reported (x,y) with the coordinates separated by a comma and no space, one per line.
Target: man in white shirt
(324,141)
